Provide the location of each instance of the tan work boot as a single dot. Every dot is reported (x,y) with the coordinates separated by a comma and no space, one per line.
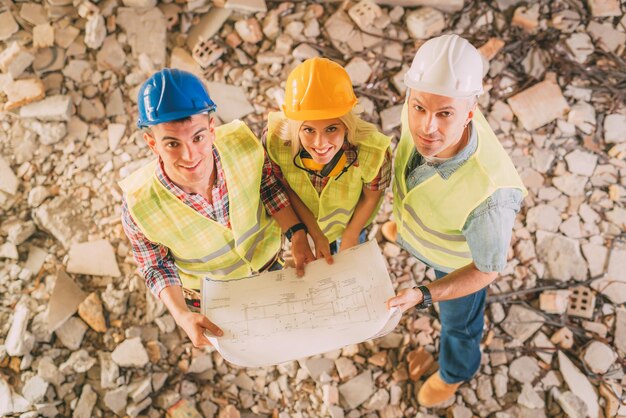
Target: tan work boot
(390,231)
(435,391)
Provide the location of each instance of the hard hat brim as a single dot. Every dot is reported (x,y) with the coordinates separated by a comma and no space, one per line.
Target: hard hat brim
(440,91)
(318,114)
(172,116)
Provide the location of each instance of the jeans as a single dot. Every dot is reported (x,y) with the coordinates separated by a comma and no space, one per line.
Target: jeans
(334,246)
(462,323)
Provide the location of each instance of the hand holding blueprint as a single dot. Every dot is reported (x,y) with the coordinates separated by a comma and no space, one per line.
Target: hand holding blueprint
(276,316)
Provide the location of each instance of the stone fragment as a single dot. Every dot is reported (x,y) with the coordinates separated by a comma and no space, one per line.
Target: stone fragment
(9,250)
(35,260)
(524,369)
(249,30)
(615,128)
(208,26)
(96,258)
(579,384)
(8,25)
(580,162)
(359,71)
(554,301)
(391,118)
(8,180)
(137,23)
(580,46)
(604,8)
(231,101)
(564,338)
(142,4)
(491,48)
(23,91)
(613,285)
(109,371)
(583,116)
(530,398)
(572,405)
(134,409)
(599,357)
(116,399)
(19,341)
(33,13)
(545,348)
(527,18)
(15,59)
(79,361)
(71,333)
(562,256)
(90,310)
(34,389)
(419,362)
(64,300)
(95,31)
(339,26)
(85,403)
(543,217)
(538,105)
(345,368)
(57,107)
(43,36)
(378,401)
(357,390)
(65,36)
(304,52)
(317,366)
(130,353)
(250,6)
(521,323)
(425,23)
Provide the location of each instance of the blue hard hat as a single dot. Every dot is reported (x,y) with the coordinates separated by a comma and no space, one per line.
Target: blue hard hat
(171,94)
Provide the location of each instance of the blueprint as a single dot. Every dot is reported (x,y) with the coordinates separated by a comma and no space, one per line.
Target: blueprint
(276,316)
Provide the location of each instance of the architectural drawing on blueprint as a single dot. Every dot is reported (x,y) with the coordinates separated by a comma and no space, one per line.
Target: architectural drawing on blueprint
(331,306)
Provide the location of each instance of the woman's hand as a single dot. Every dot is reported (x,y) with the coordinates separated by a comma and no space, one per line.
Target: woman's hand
(348,240)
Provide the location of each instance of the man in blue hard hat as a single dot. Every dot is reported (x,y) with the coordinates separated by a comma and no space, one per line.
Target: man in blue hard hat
(209,205)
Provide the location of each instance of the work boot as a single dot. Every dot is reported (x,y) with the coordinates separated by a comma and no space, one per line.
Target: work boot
(390,231)
(435,391)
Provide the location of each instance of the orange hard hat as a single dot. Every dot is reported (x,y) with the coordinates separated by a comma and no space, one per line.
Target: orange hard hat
(318,89)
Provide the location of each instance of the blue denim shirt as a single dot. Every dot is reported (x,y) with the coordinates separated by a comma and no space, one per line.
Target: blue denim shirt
(488,227)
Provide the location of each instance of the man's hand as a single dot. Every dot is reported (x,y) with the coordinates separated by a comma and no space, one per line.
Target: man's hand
(194,325)
(322,247)
(348,240)
(405,299)
(301,252)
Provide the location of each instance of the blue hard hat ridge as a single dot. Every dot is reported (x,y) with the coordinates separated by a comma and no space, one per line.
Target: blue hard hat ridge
(171,94)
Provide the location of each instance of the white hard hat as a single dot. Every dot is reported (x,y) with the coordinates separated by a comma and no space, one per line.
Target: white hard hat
(447,65)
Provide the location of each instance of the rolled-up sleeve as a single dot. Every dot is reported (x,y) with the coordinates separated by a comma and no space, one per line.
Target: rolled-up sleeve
(489,227)
(155,261)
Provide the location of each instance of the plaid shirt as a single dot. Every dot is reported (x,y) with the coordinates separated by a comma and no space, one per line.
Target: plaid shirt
(155,261)
(380,182)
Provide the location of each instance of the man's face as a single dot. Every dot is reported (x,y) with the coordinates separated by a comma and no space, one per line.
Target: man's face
(186,150)
(437,122)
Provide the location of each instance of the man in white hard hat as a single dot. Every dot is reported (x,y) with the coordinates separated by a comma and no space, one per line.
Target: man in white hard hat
(456,194)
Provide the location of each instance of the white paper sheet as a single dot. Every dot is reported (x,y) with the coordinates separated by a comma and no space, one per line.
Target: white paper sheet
(276,317)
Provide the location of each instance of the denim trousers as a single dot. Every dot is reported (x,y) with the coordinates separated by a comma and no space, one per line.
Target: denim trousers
(462,323)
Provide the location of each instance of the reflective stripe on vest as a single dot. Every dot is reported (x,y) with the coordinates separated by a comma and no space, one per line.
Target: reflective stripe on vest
(334,206)
(431,216)
(200,246)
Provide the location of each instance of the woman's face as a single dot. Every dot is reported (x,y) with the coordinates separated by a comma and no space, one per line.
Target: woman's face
(322,138)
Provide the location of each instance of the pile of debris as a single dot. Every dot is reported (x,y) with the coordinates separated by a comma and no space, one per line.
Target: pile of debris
(94,342)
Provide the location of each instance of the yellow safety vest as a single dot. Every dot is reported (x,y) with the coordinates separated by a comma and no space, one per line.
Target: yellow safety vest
(201,246)
(333,208)
(431,216)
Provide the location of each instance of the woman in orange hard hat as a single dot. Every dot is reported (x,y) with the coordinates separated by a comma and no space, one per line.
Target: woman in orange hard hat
(336,165)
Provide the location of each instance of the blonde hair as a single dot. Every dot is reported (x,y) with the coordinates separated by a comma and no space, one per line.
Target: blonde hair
(288,130)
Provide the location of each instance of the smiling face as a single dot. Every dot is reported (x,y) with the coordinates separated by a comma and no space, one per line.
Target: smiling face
(437,123)
(322,138)
(185,147)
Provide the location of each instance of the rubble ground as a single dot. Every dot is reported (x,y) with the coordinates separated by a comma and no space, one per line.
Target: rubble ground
(81,336)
